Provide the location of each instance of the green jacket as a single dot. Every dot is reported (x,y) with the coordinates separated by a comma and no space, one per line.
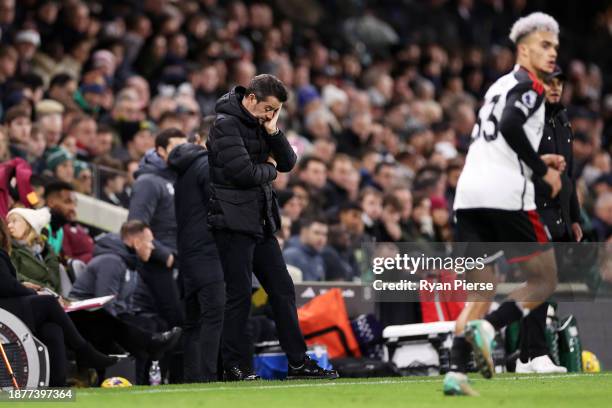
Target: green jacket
(31,269)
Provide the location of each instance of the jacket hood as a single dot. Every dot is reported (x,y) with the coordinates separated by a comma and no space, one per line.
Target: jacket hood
(111,243)
(151,163)
(182,156)
(231,104)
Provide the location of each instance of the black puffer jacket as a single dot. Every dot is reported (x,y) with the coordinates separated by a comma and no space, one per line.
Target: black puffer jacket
(197,250)
(242,196)
(558,138)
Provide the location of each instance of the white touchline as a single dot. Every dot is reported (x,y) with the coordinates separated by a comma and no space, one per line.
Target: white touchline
(166,389)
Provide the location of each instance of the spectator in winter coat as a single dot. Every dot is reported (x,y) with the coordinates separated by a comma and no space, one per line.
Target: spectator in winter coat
(152,202)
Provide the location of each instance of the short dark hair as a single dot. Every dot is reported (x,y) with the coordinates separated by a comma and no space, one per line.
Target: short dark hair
(104,128)
(306,222)
(381,165)
(168,115)
(306,160)
(32,81)
(392,201)
(18,111)
(339,158)
(60,79)
(57,186)
(265,85)
(163,138)
(349,206)
(132,227)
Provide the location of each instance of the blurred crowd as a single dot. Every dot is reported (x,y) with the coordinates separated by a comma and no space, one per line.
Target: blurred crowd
(383,100)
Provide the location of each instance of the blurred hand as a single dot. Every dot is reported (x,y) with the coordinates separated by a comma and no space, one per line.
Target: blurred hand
(271,161)
(63,302)
(577,230)
(556,161)
(553,179)
(32,286)
(170,261)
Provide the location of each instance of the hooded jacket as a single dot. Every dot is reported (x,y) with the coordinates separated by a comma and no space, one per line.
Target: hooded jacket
(197,250)
(112,271)
(242,196)
(152,202)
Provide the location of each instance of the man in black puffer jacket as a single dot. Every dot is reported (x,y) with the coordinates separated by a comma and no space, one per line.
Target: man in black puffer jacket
(246,151)
(561,215)
(200,265)
(152,202)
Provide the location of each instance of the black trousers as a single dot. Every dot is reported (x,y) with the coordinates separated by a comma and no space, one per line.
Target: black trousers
(241,256)
(533,334)
(105,331)
(150,324)
(202,332)
(47,320)
(533,326)
(164,290)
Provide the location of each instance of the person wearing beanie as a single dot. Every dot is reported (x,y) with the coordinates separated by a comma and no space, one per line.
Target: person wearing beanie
(33,258)
(83,177)
(60,164)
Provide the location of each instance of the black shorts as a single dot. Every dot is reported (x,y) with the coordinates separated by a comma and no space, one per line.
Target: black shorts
(490,233)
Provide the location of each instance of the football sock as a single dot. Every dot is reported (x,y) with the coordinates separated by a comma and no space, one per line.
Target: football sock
(460,354)
(507,313)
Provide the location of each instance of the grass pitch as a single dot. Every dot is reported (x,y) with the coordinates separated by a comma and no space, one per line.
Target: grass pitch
(508,390)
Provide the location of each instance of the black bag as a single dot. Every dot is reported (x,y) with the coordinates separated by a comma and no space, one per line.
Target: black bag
(351,367)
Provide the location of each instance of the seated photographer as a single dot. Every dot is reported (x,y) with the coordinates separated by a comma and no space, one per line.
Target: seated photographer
(45,318)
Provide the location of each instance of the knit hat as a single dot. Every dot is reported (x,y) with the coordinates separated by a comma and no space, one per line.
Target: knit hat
(37,219)
(79,166)
(307,94)
(57,156)
(28,36)
(48,107)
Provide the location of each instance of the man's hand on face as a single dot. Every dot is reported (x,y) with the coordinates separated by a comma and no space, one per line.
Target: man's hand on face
(271,125)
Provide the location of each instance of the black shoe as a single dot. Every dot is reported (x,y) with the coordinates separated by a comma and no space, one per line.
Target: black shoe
(162,342)
(236,374)
(310,370)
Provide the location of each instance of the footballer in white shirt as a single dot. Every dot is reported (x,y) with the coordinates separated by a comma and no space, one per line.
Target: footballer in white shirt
(495,198)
